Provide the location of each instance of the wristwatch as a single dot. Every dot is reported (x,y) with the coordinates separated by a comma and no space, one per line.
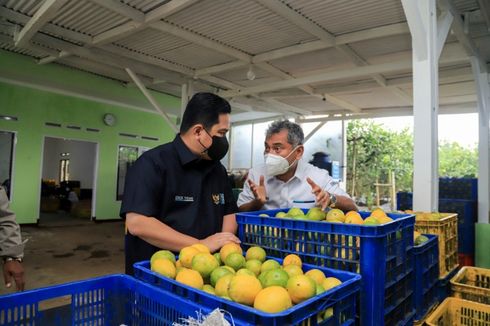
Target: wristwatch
(333,200)
(7,259)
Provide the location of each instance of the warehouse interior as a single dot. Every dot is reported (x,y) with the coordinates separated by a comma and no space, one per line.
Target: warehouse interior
(102,81)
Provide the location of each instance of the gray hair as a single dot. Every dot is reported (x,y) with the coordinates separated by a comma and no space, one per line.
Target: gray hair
(295,133)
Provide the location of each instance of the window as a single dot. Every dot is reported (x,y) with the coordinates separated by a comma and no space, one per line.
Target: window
(64,170)
(127,156)
(7,141)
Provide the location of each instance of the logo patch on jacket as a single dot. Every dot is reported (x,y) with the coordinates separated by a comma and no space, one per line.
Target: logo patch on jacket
(218,198)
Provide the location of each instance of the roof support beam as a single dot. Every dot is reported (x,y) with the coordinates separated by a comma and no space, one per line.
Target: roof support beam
(421,17)
(44,14)
(311,133)
(459,30)
(151,99)
(485,11)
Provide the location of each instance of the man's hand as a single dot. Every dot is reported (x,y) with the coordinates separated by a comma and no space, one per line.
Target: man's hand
(13,269)
(322,197)
(216,241)
(258,190)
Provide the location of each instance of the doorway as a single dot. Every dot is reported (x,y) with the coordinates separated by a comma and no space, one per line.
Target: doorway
(7,142)
(68,183)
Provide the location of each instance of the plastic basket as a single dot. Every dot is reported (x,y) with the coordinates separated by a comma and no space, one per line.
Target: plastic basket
(341,298)
(447,230)
(454,311)
(458,188)
(467,211)
(381,254)
(472,283)
(110,300)
(426,276)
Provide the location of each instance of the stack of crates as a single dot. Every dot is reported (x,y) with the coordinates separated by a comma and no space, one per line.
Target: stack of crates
(470,304)
(460,196)
(446,228)
(426,276)
(381,254)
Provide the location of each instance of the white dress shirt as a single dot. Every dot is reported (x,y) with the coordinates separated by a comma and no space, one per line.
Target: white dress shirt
(282,194)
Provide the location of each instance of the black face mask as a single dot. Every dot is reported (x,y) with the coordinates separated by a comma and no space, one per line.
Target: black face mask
(218,149)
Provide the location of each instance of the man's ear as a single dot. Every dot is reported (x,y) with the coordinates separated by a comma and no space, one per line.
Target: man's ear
(300,150)
(197,129)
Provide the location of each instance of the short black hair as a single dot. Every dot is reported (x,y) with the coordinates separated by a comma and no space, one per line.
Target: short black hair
(204,108)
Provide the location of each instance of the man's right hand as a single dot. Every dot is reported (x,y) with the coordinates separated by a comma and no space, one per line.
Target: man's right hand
(258,190)
(216,241)
(14,270)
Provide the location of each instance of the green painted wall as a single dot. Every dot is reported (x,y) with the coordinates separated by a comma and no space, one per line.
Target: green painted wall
(34,107)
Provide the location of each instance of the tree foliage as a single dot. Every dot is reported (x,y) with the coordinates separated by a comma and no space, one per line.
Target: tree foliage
(373,152)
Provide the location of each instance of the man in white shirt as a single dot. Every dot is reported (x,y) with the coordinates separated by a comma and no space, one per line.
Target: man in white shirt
(286,178)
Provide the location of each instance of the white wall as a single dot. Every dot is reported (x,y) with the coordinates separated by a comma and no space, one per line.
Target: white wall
(82,160)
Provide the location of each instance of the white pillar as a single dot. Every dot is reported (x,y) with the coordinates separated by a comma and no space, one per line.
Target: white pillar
(421,18)
(483,97)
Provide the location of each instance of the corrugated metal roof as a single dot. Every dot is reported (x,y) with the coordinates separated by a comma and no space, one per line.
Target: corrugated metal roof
(86,17)
(339,17)
(145,5)
(244,25)
(11,48)
(195,56)
(152,42)
(28,7)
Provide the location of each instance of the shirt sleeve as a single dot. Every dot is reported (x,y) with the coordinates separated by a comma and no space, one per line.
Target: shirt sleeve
(143,188)
(230,204)
(11,244)
(247,195)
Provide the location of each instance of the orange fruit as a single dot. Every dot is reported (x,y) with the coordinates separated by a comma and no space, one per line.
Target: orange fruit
(164,267)
(255,253)
(244,271)
(316,275)
(244,288)
(204,263)
(353,217)
(163,254)
(301,288)
(330,282)
(186,254)
(235,260)
(229,248)
(273,299)
(209,289)
(190,277)
(293,270)
(201,247)
(292,259)
(222,285)
(277,277)
(253,265)
(268,265)
(217,274)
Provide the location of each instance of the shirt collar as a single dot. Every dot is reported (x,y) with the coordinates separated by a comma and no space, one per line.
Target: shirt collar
(184,153)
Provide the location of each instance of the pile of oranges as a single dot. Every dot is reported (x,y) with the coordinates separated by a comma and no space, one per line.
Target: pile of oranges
(249,279)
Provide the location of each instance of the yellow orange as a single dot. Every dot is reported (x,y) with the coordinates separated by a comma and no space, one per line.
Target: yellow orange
(316,275)
(331,282)
(204,263)
(244,288)
(353,217)
(222,285)
(255,253)
(190,277)
(229,248)
(201,247)
(164,266)
(186,255)
(292,259)
(301,288)
(273,299)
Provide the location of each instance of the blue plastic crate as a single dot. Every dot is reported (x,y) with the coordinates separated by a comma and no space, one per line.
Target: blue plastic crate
(381,254)
(458,188)
(110,300)
(467,211)
(342,299)
(426,267)
(444,285)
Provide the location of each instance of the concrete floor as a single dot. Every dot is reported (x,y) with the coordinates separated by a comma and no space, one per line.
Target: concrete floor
(63,249)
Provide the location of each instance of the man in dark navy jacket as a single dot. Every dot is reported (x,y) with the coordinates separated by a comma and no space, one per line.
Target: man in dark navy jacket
(178,194)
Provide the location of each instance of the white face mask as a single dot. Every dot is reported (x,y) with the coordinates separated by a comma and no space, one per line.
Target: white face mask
(277,165)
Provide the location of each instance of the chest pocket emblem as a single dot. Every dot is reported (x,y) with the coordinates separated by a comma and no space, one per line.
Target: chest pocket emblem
(218,198)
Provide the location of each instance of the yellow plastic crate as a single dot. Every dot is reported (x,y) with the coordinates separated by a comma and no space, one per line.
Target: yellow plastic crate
(472,283)
(447,230)
(455,311)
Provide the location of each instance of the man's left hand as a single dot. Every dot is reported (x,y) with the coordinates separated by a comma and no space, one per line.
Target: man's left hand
(13,269)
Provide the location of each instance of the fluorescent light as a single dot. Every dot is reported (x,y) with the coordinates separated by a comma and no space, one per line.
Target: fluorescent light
(8,118)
